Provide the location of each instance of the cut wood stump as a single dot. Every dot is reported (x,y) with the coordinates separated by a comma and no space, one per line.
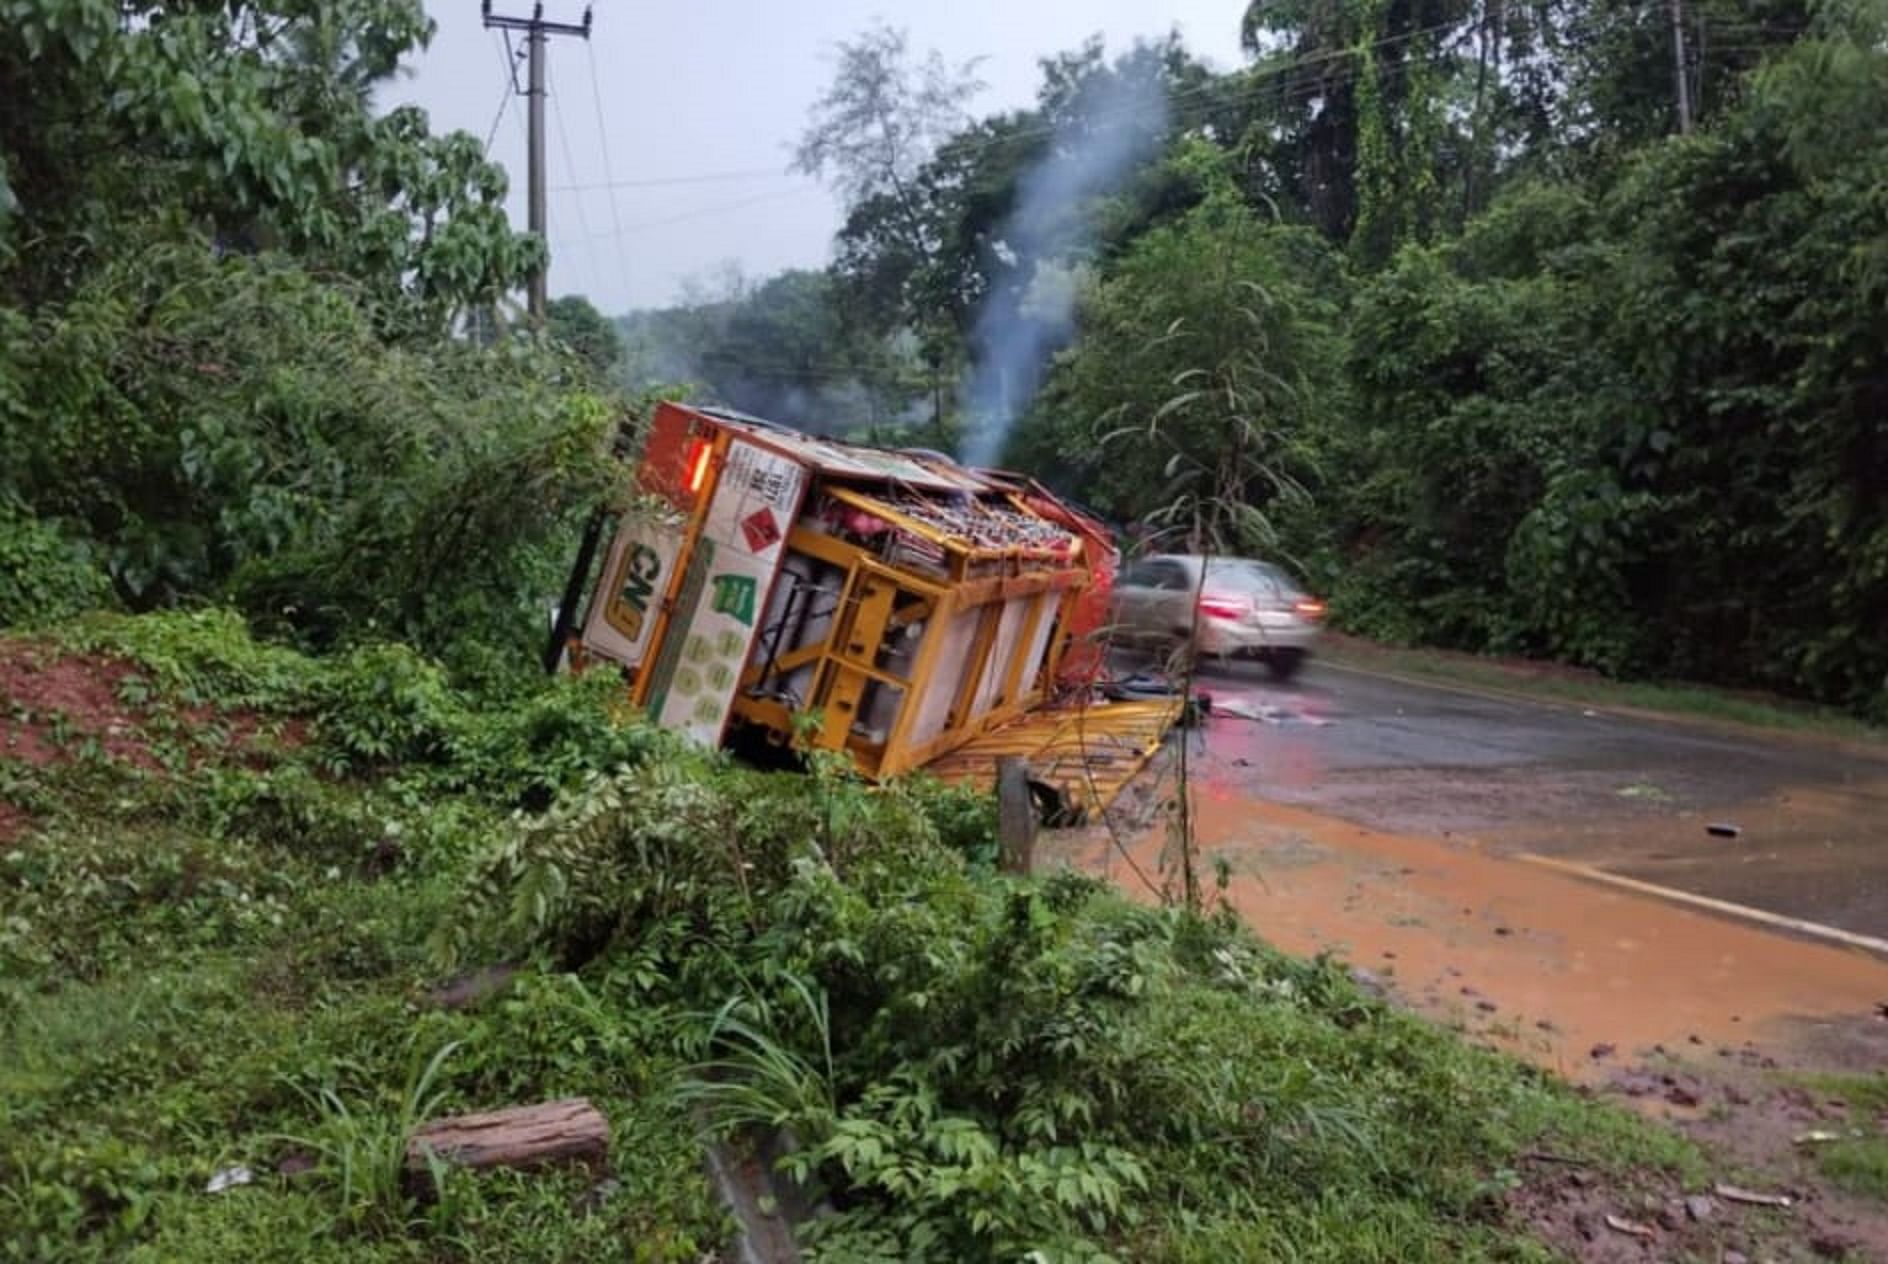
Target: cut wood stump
(566,1131)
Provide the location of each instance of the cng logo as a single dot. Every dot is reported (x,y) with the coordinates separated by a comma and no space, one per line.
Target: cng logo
(629,611)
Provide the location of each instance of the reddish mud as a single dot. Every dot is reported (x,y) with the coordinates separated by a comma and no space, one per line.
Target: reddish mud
(1578,978)
(51,700)
(55,706)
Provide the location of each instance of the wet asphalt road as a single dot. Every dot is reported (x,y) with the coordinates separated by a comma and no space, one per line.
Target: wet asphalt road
(1625,793)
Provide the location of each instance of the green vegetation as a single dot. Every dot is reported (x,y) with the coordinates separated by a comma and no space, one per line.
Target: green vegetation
(1857,1161)
(1859,1165)
(1527,368)
(218,940)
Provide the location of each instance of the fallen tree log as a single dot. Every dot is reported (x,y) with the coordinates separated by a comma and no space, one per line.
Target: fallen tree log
(567,1131)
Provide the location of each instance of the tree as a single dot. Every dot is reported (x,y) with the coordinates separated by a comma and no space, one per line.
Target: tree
(871,134)
(782,349)
(1206,373)
(251,120)
(883,116)
(575,322)
(228,291)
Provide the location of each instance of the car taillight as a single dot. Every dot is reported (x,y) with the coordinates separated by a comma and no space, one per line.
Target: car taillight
(1215,606)
(1308,608)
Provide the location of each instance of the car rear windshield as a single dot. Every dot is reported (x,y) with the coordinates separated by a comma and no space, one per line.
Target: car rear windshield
(1246,573)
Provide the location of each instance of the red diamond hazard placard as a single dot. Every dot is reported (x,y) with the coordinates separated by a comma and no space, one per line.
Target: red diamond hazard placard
(761,529)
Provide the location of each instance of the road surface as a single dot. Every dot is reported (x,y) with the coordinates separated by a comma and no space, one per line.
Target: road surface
(1624,793)
(1389,822)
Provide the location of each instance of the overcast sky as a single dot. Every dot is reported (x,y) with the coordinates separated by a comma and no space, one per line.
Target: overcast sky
(693,108)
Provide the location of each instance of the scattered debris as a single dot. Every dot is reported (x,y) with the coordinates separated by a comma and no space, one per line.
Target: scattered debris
(229,1178)
(567,1131)
(1245,709)
(1816,1136)
(1720,829)
(1138,686)
(1735,1194)
(592,1199)
(1619,1224)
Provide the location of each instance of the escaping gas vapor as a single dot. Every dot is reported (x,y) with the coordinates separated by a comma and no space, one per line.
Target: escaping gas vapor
(1029,312)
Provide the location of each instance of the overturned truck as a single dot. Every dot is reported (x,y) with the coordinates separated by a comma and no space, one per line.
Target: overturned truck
(771,587)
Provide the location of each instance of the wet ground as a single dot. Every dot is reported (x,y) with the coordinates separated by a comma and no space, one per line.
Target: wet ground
(1626,793)
(1387,821)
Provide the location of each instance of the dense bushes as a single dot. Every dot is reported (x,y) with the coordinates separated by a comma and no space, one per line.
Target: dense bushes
(235,430)
(1645,433)
(45,574)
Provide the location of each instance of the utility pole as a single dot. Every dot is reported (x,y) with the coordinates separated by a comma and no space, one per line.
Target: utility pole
(1678,65)
(537,32)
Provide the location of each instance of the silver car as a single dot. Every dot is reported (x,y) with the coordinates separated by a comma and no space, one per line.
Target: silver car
(1237,607)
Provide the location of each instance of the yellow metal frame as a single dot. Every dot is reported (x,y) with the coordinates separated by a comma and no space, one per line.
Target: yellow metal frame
(1088,753)
(876,599)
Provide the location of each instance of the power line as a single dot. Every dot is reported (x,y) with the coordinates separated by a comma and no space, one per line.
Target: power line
(978,147)
(706,177)
(570,164)
(1255,82)
(1251,86)
(721,208)
(609,176)
(511,90)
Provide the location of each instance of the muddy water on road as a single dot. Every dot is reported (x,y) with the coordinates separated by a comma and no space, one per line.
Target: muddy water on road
(1379,826)
(1628,793)
(1550,967)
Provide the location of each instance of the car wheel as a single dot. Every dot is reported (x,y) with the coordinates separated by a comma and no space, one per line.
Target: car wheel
(1284,664)
(1179,654)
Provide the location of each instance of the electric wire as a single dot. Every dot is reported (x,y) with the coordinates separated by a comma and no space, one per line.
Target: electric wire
(511,90)
(570,164)
(1256,82)
(609,174)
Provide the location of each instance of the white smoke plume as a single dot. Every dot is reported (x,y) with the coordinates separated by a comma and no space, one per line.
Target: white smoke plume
(1029,314)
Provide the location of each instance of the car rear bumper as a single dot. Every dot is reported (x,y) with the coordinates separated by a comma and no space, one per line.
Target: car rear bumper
(1221,637)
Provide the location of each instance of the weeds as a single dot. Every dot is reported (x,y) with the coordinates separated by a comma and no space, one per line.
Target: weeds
(364,1152)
